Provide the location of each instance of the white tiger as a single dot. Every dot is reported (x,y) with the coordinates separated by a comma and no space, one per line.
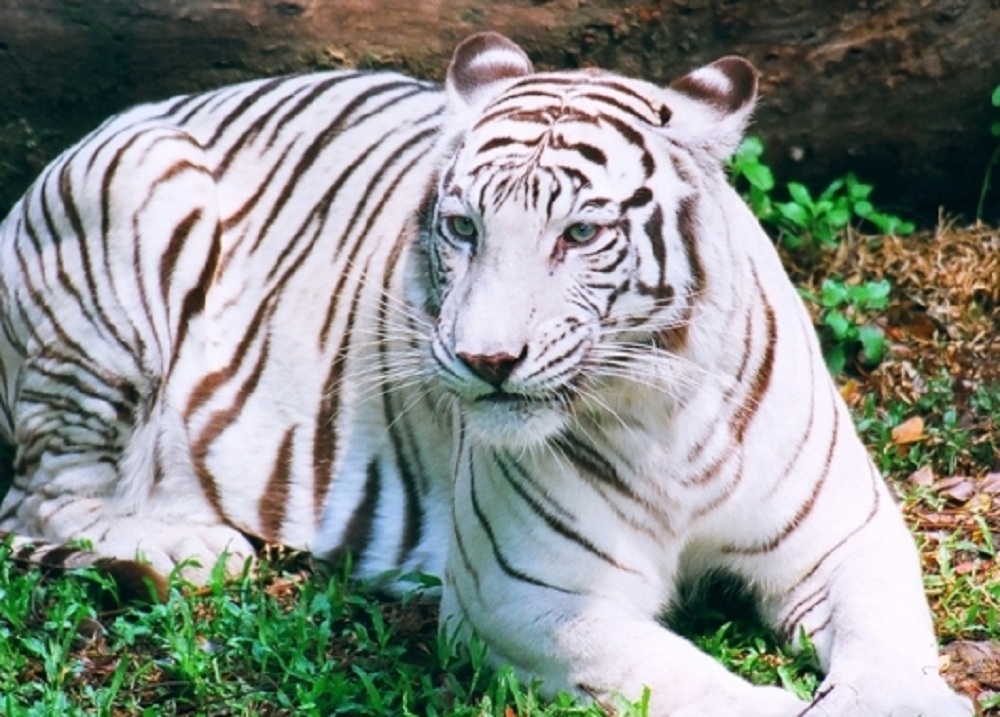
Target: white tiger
(520,334)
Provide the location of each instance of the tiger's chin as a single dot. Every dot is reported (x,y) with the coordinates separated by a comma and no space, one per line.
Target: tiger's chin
(513,421)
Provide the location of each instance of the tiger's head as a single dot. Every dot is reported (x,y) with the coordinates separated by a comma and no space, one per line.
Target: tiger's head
(562,240)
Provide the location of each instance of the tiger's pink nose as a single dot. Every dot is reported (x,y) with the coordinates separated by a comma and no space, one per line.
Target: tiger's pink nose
(493,368)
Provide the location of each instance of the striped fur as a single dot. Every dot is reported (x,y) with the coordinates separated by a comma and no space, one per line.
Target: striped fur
(519,334)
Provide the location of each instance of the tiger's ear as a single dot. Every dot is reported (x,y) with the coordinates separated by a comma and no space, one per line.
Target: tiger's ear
(710,107)
(481,66)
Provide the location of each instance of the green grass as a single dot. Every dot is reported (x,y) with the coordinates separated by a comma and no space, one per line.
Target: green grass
(271,643)
(276,643)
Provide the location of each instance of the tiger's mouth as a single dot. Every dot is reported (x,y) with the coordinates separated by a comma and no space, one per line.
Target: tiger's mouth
(500,397)
(558,397)
(517,420)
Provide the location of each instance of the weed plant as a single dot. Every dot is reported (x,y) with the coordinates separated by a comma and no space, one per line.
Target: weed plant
(994,157)
(808,227)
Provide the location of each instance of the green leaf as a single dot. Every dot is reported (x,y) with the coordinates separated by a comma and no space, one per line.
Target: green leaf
(863,208)
(791,240)
(750,148)
(823,206)
(794,213)
(760,176)
(878,291)
(995,129)
(840,325)
(857,191)
(833,293)
(800,194)
(996,96)
(834,187)
(760,202)
(839,217)
(858,295)
(883,222)
(872,343)
(870,295)
(836,359)
(824,233)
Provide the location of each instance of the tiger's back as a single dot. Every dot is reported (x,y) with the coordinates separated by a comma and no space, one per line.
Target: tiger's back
(195,297)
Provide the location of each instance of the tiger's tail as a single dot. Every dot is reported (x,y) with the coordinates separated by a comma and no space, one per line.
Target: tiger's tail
(132,580)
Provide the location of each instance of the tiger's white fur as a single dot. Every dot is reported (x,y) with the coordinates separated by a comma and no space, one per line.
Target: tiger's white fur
(520,334)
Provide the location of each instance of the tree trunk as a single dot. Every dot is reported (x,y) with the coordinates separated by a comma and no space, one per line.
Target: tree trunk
(895,90)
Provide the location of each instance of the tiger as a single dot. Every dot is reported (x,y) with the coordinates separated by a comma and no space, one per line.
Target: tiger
(517,332)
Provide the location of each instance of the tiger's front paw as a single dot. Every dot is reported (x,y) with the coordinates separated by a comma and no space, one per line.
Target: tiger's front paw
(194,548)
(925,697)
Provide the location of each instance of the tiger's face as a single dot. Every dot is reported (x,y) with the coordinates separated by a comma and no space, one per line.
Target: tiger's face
(551,238)
(561,248)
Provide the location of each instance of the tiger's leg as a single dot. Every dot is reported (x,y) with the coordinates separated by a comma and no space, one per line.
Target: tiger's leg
(577,618)
(861,603)
(111,262)
(595,646)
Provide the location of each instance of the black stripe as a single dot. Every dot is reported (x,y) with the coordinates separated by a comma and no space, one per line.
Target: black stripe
(313,96)
(498,555)
(840,543)
(262,186)
(384,197)
(242,108)
(588,460)
(762,375)
(399,436)
(107,178)
(194,300)
(802,608)
(633,137)
(622,107)
(588,152)
(252,131)
(320,142)
(218,423)
(358,533)
(193,104)
(626,90)
(273,503)
(555,524)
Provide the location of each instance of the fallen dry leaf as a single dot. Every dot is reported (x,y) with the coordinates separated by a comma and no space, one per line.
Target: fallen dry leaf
(909,431)
(976,660)
(850,391)
(965,567)
(284,587)
(923,477)
(958,488)
(980,504)
(991,483)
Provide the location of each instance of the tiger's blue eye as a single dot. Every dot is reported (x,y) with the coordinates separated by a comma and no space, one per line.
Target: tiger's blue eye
(461,227)
(581,233)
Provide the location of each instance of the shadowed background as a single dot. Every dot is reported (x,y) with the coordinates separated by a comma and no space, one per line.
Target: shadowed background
(897,91)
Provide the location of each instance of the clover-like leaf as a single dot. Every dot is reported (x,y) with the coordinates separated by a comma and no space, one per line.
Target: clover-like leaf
(872,343)
(840,326)
(800,194)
